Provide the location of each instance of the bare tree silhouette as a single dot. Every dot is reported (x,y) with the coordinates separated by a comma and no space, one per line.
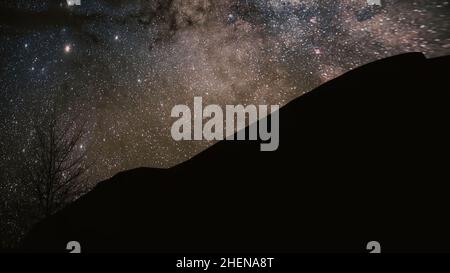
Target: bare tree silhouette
(57,169)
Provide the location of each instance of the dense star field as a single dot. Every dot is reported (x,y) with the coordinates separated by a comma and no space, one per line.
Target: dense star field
(120,66)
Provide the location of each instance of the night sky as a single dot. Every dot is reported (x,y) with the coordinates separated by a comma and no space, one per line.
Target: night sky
(122,65)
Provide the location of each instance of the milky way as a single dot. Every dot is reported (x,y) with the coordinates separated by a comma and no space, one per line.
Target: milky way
(122,65)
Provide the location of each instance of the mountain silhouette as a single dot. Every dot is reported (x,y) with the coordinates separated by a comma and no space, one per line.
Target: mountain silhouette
(363,157)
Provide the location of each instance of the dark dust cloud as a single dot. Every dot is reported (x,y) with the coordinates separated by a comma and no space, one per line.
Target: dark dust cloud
(122,65)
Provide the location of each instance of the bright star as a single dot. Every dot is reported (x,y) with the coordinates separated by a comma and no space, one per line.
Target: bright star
(67,49)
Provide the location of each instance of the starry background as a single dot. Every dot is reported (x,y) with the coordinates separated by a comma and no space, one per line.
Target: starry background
(122,65)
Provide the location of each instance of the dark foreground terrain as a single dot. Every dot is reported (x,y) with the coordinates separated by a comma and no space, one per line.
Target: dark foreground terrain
(364,157)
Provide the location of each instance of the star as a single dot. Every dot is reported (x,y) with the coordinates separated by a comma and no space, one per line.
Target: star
(67,48)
